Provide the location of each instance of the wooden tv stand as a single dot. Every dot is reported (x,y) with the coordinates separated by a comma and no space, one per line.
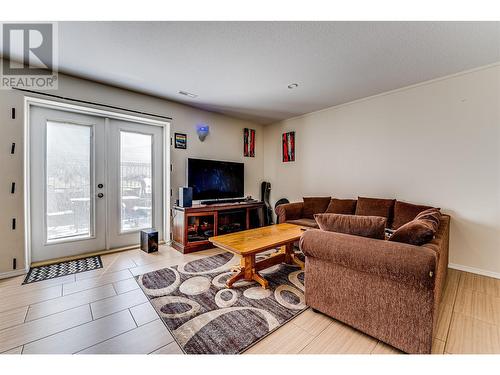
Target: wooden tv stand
(193,226)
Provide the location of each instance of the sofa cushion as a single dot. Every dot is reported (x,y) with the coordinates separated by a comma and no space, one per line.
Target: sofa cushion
(375,207)
(315,205)
(416,232)
(304,222)
(365,226)
(341,206)
(406,212)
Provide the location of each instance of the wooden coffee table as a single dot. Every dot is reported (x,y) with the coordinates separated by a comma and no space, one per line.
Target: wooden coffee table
(249,243)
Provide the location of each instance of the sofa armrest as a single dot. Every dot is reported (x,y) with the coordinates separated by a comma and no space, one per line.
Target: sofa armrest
(289,211)
(409,264)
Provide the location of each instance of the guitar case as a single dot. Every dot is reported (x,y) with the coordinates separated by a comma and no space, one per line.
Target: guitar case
(265,191)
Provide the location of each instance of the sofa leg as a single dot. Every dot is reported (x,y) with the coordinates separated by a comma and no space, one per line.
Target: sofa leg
(316,311)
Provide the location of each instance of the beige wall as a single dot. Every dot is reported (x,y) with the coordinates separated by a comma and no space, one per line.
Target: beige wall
(225,142)
(437,143)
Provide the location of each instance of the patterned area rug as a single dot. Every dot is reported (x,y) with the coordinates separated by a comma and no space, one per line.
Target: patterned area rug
(205,317)
(70,267)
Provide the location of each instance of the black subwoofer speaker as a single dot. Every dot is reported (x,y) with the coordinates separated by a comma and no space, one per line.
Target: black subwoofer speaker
(149,240)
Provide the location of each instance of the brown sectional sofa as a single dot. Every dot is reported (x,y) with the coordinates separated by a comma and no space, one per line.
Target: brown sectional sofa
(293,213)
(389,290)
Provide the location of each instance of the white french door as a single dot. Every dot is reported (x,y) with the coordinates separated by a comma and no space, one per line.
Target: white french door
(135,199)
(95,182)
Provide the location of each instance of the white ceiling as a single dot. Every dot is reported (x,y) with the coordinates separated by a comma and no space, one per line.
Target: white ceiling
(243,68)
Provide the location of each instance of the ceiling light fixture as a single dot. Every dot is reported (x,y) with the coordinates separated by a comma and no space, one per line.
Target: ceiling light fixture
(293,85)
(185,93)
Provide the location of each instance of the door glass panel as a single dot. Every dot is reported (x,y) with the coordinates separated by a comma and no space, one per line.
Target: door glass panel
(69,180)
(135,181)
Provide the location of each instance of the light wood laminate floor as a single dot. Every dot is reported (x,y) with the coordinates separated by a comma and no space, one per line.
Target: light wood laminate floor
(104,311)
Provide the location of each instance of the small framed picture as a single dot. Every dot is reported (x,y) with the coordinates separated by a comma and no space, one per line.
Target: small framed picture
(180,140)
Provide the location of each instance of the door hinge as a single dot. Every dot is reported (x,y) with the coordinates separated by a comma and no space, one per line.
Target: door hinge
(14,263)
(13,113)
(171,167)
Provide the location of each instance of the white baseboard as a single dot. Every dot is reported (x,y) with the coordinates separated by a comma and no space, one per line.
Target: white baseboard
(6,275)
(478,271)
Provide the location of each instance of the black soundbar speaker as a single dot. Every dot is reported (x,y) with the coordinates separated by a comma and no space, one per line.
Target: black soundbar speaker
(185,196)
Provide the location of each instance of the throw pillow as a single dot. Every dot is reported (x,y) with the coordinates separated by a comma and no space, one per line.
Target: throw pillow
(405,212)
(433,215)
(315,205)
(375,207)
(341,206)
(365,226)
(416,232)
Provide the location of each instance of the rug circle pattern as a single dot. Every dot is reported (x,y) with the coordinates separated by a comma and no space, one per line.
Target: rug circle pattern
(205,317)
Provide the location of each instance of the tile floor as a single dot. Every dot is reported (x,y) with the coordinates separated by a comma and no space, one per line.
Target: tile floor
(104,311)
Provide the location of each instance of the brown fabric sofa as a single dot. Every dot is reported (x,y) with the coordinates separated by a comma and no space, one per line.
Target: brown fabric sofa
(293,213)
(388,290)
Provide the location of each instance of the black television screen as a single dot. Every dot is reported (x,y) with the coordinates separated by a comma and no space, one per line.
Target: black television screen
(212,179)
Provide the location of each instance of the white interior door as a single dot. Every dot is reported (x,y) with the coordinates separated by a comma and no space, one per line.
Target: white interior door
(67,218)
(95,182)
(135,181)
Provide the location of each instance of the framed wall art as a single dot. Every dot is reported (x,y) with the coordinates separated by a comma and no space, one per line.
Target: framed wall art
(288,146)
(180,140)
(249,142)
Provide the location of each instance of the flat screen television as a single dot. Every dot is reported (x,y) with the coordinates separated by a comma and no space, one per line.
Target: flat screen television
(212,179)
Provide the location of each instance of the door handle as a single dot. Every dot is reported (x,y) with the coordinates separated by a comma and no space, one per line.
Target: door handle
(100,195)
